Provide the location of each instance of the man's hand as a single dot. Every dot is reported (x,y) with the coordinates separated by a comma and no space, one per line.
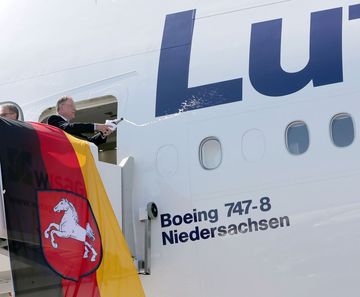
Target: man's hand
(104,129)
(112,123)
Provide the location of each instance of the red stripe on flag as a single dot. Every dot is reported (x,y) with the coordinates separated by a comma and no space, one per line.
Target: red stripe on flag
(64,173)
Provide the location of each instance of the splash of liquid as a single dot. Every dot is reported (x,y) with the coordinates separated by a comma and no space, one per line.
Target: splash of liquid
(191,103)
(152,122)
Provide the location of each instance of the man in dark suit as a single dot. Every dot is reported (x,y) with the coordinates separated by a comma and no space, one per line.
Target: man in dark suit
(66,112)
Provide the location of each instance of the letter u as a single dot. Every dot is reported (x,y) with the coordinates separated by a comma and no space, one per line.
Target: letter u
(325,62)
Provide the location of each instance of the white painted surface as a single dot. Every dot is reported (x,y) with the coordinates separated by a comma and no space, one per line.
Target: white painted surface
(118,52)
(3,232)
(111,177)
(4,263)
(6,285)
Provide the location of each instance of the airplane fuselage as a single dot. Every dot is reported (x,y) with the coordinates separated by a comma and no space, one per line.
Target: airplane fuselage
(233,114)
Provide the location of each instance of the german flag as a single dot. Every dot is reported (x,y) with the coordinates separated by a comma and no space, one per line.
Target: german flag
(64,239)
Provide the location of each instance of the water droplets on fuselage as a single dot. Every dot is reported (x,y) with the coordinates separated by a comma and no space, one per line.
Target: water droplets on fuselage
(189,104)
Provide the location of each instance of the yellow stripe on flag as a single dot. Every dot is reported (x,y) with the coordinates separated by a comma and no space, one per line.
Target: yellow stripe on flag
(116,275)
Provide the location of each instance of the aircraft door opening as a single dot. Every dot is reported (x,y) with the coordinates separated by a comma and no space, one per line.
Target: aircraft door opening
(95,110)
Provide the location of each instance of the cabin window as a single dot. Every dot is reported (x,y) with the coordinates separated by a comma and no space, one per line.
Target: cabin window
(297,138)
(342,130)
(210,153)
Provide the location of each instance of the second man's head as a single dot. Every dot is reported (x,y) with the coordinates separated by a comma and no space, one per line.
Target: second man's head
(9,111)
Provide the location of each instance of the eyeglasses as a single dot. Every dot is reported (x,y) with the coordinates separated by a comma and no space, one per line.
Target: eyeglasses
(6,113)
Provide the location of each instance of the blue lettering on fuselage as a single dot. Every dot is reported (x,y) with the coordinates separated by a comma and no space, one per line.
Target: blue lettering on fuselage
(354,12)
(325,62)
(266,74)
(173,76)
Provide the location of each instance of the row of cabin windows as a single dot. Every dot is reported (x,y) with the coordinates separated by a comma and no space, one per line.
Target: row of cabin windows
(341,132)
(296,136)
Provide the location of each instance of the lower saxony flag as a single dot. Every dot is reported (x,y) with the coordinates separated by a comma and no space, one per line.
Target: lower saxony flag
(63,236)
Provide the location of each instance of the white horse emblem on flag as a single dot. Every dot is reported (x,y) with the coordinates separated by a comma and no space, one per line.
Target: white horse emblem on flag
(69,228)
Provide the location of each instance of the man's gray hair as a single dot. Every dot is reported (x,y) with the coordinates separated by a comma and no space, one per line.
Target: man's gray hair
(62,100)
